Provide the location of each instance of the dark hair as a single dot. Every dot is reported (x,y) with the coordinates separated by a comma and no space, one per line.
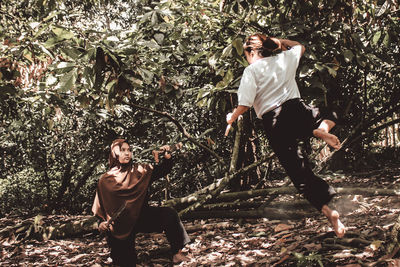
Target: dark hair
(113,161)
(261,43)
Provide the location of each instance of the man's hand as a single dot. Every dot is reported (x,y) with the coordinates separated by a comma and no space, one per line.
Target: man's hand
(229,121)
(104,227)
(164,149)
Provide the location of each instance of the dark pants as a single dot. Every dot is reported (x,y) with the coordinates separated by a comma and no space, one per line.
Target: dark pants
(288,125)
(152,219)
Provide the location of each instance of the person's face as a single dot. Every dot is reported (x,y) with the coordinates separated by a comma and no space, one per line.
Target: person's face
(125,154)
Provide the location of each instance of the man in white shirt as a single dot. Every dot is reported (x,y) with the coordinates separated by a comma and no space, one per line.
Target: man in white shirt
(268,84)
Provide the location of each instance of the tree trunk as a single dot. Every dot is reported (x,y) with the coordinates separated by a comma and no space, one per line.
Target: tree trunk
(66,179)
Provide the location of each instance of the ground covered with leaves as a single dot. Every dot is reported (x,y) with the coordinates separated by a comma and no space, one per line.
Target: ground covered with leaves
(248,242)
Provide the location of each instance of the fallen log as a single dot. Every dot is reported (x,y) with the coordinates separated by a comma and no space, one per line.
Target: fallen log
(38,228)
(203,199)
(43,228)
(269,213)
(298,204)
(231,196)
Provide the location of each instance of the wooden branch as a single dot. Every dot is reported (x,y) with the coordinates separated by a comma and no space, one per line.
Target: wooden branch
(270,213)
(236,146)
(232,196)
(356,133)
(224,181)
(37,229)
(196,195)
(180,128)
(374,130)
(297,204)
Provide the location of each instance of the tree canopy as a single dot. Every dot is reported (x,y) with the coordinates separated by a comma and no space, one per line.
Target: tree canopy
(74,75)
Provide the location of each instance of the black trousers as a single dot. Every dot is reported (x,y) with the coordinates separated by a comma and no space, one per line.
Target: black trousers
(152,219)
(288,125)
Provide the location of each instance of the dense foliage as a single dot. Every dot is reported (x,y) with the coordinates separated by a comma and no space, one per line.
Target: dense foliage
(73,74)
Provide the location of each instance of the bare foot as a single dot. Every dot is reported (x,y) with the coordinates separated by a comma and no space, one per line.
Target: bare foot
(330,139)
(179,257)
(333,217)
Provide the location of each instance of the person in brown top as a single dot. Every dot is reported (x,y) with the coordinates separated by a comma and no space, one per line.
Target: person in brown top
(123,190)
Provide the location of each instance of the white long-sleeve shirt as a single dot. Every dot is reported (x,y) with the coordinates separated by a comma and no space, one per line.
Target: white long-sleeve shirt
(270,81)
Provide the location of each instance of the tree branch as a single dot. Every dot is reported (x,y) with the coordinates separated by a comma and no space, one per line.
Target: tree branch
(224,181)
(180,128)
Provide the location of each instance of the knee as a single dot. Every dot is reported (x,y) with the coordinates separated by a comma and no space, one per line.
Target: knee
(170,216)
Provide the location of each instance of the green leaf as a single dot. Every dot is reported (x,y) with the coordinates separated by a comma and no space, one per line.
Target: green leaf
(306,70)
(348,55)
(318,67)
(113,39)
(227,51)
(383,8)
(62,33)
(376,37)
(154,18)
(129,51)
(320,85)
(50,42)
(63,66)
(67,81)
(51,80)
(331,71)
(311,55)
(197,56)
(110,85)
(213,61)
(226,80)
(386,40)
(159,38)
(34,24)
(202,98)
(146,75)
(71,52)
(149,44)
(146,16)
(238,45)
(47,52)
(361,60)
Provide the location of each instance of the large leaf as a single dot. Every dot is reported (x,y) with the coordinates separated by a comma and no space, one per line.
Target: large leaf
(62,33)
(228,77)
(376,37)
(238,45)
(67,81)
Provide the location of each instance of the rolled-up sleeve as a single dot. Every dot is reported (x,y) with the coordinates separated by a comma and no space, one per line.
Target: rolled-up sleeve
(247,89)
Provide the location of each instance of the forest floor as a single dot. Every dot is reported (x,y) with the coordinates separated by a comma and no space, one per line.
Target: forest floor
(250,242)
